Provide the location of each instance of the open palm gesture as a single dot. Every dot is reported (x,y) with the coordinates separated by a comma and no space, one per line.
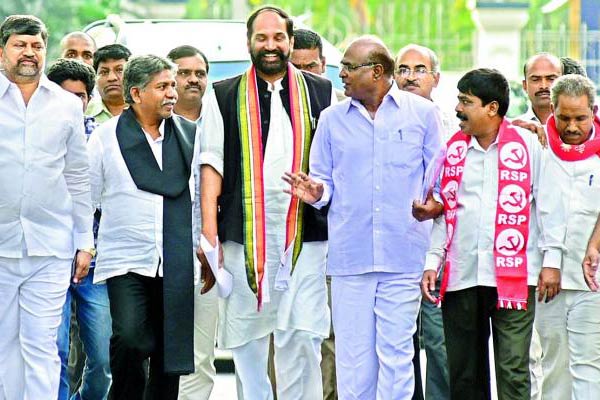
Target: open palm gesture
(303,187)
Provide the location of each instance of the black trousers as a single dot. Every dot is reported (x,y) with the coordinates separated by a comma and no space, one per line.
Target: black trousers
(136,308)
(467,314)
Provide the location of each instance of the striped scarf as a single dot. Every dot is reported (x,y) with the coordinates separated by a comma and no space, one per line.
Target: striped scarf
(253,193)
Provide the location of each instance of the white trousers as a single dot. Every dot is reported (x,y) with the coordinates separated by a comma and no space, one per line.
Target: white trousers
(32,294)
(374,319)
(535,365)
(569,330)
(199,385)
(297,367)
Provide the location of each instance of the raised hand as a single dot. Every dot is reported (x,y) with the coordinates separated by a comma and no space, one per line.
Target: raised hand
(303,187)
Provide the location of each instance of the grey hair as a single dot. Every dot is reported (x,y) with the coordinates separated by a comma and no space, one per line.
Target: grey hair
(573,85)
(433,58)
(140,70)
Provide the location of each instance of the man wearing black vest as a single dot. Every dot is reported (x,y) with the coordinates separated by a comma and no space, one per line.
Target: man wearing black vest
(256,127)
(140,170)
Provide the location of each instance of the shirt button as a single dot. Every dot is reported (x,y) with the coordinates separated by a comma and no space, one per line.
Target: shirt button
(377,187)
(377,209)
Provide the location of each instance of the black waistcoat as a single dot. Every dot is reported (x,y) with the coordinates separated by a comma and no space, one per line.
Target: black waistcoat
(229,217)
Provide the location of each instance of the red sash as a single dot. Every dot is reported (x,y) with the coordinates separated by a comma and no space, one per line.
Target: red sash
(568,152)
(512,212)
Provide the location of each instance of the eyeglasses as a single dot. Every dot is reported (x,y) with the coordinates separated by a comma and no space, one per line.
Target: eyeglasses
(186,73)
(354,67)
(419,72)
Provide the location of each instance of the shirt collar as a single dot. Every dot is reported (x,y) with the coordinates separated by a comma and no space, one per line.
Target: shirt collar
(394,93)
(161,131)
(4,84)
(44,82)
(474,144)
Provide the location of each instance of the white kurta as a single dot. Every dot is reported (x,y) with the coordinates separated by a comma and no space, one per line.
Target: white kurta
(471,250)
(304,304)
(568,325)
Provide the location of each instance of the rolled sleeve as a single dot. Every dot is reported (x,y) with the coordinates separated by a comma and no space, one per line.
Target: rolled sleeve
(436,253)
(321,161)
(212,138)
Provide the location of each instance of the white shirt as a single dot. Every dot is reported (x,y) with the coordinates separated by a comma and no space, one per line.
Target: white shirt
(130,237)
(471,254)
(45,207)
(568,206)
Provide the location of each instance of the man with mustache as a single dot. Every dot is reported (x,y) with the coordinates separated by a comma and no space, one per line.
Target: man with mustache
(539,72)
(417,70)
(487,243)
(367,163)
(109,62)
(568,324)
(140,171)
(192,77)
(45,211)
(257,126)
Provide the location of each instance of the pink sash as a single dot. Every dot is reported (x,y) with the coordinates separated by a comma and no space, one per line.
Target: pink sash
(568,152)
(512,212)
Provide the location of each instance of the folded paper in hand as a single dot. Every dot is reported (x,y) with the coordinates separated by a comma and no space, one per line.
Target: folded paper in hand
(223,277)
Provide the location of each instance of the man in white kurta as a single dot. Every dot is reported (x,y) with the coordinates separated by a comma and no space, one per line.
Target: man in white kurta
(568,203)
(471,299)
(297,316)
(539,72)
(45,210)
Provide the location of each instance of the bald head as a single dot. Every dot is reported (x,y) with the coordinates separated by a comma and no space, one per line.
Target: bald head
(375,51)
(79,46)
(540,71)
(417,70)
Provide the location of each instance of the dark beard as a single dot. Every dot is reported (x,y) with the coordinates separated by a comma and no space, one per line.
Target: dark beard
(269,68)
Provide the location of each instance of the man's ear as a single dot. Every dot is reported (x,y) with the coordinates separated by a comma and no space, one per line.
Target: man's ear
(135,94)
(493,107)
(377,71)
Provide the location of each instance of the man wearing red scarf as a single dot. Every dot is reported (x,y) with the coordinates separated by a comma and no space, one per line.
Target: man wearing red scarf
(487,240)
(568,325)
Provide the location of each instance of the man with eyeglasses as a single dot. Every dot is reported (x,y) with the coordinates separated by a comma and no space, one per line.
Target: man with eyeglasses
(109,63)
(192,78)
(418,72)
(367,164)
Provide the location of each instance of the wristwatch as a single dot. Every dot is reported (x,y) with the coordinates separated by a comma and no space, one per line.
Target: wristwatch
(91,250)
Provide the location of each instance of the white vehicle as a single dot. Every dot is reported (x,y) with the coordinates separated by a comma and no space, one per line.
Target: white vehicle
(222,41)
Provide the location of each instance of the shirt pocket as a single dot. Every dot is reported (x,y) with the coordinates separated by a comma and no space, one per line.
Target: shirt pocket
(404,148)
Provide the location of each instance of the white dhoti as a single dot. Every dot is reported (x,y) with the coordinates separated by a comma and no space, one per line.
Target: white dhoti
(32,293)
(569,330)
(374,319)
(199,385)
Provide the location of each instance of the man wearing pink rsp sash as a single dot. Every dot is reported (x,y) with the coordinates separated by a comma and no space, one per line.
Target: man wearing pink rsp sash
(486,241)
